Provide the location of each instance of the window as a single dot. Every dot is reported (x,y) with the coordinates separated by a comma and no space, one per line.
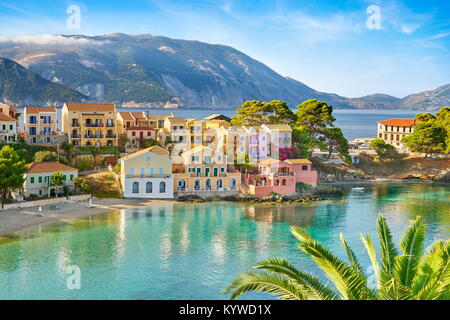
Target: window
(263,149)
(305,168)
(152,171)
(135,187)
(242,149)
(132,171)
(40,193)
(233,183)
(133,133)
(32,179)
(149,134)
(71,177)
(263,138)
(219,184)
(242,138)
(142,172)
(191,170)
(162,187)
(149,187)
(64,177)
(161,171)
(222,169)
(11,127)
(148,158)
(40,179)
(219,158)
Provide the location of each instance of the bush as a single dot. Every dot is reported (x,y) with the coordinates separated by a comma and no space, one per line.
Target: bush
(117,169)
(84,164)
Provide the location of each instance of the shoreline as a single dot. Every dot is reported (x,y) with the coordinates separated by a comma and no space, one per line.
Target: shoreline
(16,220)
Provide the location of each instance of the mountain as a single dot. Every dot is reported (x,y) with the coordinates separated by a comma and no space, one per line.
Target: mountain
(153,71)
(19,86)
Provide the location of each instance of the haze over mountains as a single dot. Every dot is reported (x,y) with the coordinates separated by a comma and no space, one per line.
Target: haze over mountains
(153,71)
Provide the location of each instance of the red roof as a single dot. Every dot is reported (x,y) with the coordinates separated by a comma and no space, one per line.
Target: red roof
(51,166)
(4,117)
(400,122)
(142,128)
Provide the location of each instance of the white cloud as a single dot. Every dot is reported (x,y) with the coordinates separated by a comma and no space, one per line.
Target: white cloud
(409,28)
(48,39)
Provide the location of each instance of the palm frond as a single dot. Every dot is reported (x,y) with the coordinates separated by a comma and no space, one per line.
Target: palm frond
(388,251)
(350,254)
(411,245)
(265,282)
(350,284)
(368,244)
(310,285)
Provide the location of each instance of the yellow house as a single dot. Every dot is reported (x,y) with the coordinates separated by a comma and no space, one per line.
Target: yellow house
(131,119)
(147,174)
(90,124)
(37,178)
(280,137)
(205,170)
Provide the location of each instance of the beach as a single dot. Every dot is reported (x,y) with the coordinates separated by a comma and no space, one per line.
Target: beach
(15,220)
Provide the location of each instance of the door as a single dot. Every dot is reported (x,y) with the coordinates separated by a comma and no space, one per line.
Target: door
(216,172)
(141,134)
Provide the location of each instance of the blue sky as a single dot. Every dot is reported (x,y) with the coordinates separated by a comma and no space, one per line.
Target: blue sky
(325,44)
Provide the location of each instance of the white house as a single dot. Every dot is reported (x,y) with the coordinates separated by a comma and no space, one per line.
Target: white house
(147,174)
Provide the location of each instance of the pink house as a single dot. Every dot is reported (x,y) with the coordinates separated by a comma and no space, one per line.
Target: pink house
(275,176)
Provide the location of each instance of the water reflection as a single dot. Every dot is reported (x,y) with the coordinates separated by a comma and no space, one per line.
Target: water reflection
(184,251)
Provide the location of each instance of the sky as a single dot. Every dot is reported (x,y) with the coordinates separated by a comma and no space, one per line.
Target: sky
(349,47)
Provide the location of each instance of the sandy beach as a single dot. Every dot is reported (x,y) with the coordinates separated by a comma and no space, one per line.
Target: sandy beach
(15,220)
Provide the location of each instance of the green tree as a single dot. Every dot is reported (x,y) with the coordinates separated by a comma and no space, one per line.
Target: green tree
(428,137)
(57,179)
(255,113)
(147,143)
(278,112)
(45,156)
(12,170)
(83,184)
(411,274)
(302,141)
(443,120)
(123,139)
(68,151)
(314,117)
(335,142)
(425,117)
(384,150)
(251,114)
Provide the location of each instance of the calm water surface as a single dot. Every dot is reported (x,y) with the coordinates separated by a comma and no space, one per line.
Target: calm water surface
(192,251)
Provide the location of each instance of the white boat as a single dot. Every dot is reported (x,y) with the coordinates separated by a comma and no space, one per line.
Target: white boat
(358,189)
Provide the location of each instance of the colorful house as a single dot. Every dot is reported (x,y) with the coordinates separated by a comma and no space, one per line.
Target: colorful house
(147,174)
(9,111)
(280,137)
(205,170)
(41,126)
(392,131)
(8,128)
(37,178)
(281,177)
(126,120)
(137,134)
(90,124)
(258,141)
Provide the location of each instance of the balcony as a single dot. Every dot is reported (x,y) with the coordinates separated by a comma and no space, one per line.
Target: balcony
(96,136)
(111,136)
(94,125)
(139,176)
(75,125)
(110,125)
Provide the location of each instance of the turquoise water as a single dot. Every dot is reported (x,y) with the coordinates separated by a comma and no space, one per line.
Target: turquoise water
(192,251)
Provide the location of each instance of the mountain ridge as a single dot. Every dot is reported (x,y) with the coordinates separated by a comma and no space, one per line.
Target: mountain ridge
(155,71)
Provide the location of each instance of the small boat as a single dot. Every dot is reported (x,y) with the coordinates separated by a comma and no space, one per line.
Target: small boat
(358,189)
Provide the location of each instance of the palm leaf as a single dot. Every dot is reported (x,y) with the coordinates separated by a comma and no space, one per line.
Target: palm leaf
(411,245)
(350,254)
(270,283)
(311,286)
(388,250)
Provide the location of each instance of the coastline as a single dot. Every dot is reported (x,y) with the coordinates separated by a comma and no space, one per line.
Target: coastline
(16,220)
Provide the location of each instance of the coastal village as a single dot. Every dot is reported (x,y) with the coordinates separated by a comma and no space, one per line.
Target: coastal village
(165,156)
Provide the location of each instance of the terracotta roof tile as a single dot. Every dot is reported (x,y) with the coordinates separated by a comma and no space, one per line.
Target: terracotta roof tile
(400,122)
(4,117)
(39,109)
(298,161)
(142,128)
(154,149)
(51,166)
(93,107)
(126,116)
